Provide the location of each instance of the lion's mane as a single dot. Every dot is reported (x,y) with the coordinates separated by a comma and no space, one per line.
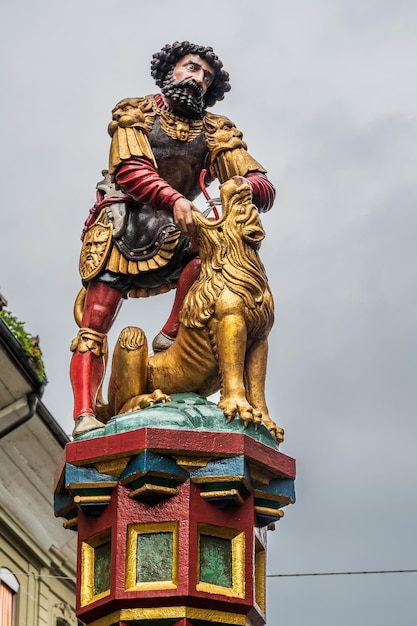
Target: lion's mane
(229,259)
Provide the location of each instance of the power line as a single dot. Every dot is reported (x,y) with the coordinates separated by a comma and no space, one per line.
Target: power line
(383,571)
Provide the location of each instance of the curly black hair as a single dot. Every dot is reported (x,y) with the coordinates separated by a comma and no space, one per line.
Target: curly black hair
(166,59)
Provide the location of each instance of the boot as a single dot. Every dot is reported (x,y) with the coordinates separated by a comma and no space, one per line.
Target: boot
(86,372)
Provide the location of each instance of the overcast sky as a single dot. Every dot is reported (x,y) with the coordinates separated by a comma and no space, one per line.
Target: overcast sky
(325,93)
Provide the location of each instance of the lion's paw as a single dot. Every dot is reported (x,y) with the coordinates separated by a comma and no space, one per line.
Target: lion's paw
(257,419)
(277,431)
(144,400)
(158,396)
(237,406)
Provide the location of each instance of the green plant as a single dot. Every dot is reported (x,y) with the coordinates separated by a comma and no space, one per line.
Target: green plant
(29,344)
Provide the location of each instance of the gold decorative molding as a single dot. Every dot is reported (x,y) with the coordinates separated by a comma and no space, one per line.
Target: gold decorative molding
(190,463)
(87,592)
(70,523)
(227,493)
(91,499)
(112,467)
(135,530)
(237,539)
(263,510)
(176,613)
(260,575)
(148,488)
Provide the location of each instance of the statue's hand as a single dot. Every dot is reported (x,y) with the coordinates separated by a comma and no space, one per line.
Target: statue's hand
(183,218)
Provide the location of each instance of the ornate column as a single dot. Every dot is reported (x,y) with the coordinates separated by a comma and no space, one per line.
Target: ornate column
(172,519)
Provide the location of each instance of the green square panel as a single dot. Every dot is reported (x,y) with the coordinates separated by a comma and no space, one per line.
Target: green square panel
(216,561)
(102,567)
(154,557)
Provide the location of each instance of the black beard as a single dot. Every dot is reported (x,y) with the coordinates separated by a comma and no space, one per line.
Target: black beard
(185,96)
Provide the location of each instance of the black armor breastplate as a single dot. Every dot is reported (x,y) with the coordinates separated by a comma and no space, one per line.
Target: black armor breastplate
(180,164)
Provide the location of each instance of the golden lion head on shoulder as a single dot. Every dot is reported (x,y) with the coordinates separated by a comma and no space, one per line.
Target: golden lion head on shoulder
(222,134)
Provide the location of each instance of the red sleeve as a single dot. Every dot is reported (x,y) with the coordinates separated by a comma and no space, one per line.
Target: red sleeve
(138,178)
(263,191)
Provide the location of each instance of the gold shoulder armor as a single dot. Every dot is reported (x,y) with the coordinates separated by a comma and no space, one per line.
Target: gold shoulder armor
(228,151)
(132,120)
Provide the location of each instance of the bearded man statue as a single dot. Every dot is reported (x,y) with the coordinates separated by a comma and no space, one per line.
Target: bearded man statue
(138,237)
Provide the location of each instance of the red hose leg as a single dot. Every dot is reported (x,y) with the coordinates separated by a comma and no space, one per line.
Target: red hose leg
(188,276)
(101,306)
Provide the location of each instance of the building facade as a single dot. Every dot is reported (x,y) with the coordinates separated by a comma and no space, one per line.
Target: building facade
(37,556)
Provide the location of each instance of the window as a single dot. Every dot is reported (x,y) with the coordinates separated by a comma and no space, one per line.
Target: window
(9,586)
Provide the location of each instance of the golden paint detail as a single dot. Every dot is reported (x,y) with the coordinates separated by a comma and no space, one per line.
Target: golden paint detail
(191,463)
(229,493)
(217,618)
(95,247)
(237,539)
(87,567)
(148,488)
(70,523)
(225,321)
(260,575)
(260,476)
(263,510)
(221,479)
(132,120)
(180,128)
(228,155)
(102,484)
(273,497)
(112,467)
(119,264)
(89,340)
(79,306)
(91,499)
(131,555)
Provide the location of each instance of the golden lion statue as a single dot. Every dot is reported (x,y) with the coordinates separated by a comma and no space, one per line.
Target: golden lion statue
(225,321)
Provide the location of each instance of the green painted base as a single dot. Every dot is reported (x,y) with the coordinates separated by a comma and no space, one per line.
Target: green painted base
(187,411)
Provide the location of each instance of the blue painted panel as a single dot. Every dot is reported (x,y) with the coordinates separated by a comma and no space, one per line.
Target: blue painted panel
(280,487)
(85,475)
(150,462)
(233,466)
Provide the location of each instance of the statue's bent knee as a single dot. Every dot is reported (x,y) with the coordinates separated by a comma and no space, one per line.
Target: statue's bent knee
(132,338)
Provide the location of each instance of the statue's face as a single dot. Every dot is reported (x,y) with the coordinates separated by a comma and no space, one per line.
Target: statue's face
(95,244)
(186,85)
(194,67)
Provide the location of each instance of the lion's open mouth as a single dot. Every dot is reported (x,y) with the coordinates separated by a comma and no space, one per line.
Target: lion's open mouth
(253,237)
(231,194)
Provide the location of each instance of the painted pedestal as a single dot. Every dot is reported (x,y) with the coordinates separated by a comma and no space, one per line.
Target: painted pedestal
(172,519)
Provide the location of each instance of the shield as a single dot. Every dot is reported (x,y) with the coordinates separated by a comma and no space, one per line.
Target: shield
(95,249)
